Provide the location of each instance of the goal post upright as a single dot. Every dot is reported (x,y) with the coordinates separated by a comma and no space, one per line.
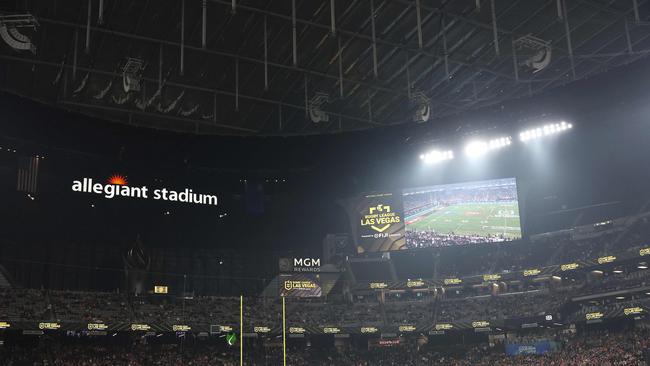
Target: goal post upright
(284,333)
(241,330)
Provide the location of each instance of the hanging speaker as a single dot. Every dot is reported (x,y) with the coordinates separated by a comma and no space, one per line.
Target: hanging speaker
(421,107)
(12,27)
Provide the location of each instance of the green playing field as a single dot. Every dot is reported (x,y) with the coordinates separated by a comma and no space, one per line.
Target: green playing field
(477,218)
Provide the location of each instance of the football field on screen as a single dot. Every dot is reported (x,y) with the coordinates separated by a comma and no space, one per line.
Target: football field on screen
(471,218)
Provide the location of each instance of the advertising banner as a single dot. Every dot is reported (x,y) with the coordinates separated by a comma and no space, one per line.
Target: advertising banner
(300,285)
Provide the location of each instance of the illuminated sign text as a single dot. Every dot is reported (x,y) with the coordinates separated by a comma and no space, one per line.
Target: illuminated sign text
(49,325)
(140,327)
(569,266)
(97,326)
(531,272)
(112,190)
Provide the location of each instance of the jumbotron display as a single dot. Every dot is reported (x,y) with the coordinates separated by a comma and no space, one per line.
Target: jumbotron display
(461,214)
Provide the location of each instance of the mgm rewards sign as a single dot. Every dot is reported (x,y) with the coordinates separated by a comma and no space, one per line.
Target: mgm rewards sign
(380,223)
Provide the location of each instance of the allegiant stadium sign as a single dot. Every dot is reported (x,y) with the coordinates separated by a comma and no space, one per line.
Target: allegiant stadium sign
(118,187)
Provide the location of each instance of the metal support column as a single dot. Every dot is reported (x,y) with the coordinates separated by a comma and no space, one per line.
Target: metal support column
(90,10)
(340,67)
(635,5)
(333,16)
(214,107)
(182,69)
(294,35)
(567,30)
(266,56)
(160,66)
(100,13)
(419,19)
(515,63)
(306,98)
(408,75)
(374,38)
(237,84)
(74,54)
(495,31)
(444,46)
(205,23)
(628,38)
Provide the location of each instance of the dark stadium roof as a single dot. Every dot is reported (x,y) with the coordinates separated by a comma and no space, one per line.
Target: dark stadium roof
(458,67)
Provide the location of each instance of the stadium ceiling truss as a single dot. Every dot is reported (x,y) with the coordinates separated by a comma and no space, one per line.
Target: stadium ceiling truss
(300,67)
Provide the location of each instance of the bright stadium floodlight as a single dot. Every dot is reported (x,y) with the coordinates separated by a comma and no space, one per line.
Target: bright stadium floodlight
(546,130)
(499,143)
(436,156)
(478,147)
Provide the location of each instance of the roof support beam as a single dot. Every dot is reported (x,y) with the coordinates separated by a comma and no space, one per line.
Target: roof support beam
(556,79)
(379,40)
(156,115)
(184,86)
(341,75)
(538,80)
(447,51)
(312,72)
(605,45)
(502,30)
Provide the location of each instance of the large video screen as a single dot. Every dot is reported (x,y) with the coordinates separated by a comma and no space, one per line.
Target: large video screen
(461,214)
(380,225)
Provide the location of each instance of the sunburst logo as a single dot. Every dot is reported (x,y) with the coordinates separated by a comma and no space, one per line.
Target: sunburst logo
(117,179)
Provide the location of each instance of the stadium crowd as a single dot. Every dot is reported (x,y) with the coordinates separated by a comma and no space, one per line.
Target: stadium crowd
(622,348)
(627,236)
(492,301)
(430,239)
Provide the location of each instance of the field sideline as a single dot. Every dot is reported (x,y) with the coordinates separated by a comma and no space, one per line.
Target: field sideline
(471,218)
